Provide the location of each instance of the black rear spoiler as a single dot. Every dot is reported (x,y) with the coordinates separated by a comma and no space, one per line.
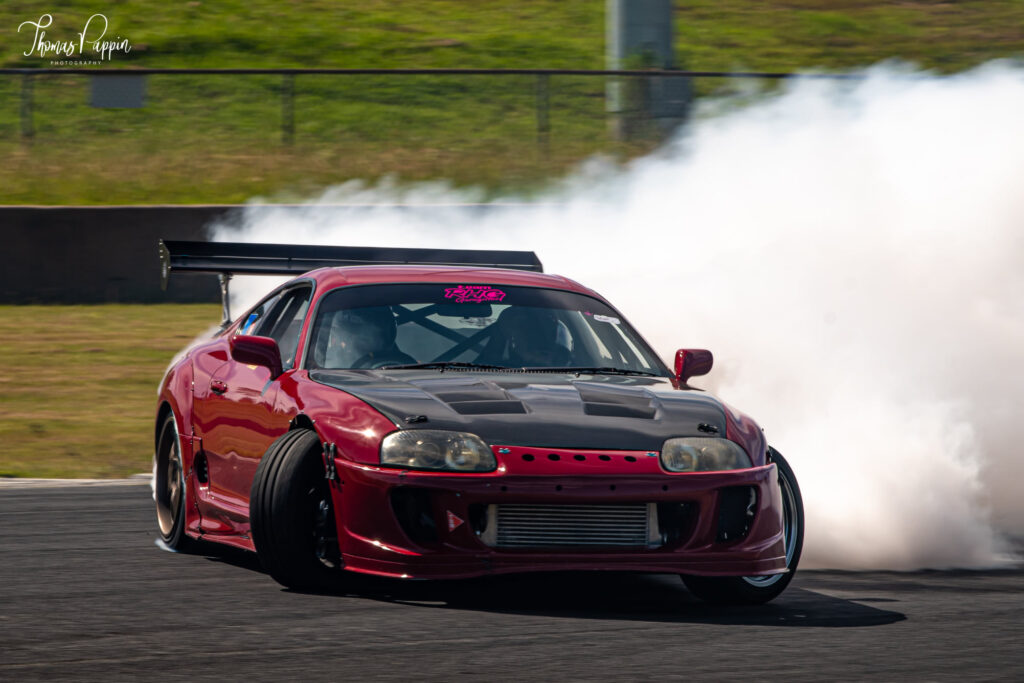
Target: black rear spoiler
(240,258)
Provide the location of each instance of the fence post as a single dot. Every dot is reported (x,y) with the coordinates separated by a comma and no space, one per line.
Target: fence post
(288,109)
(27,130)
(543,122)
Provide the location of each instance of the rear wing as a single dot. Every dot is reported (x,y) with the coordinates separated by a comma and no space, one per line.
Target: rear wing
(226,259)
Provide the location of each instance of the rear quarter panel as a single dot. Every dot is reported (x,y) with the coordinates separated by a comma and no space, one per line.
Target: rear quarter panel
(176,391)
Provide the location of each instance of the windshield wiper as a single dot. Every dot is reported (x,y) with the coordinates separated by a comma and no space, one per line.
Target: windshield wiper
(595,371)
(441,365)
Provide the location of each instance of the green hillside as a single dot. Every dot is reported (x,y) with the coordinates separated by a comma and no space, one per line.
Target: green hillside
(219,139)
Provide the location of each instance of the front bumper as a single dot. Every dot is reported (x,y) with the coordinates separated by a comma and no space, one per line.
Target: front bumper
(378,537)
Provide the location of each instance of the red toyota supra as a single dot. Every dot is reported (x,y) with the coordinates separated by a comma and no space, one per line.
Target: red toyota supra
(417,413)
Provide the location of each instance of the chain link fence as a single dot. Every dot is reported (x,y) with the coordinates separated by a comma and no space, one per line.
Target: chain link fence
(371,106)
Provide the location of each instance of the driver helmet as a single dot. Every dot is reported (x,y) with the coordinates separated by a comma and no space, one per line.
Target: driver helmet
(538,339)
(357,335)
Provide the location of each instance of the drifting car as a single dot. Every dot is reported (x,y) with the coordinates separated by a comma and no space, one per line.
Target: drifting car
(438,414)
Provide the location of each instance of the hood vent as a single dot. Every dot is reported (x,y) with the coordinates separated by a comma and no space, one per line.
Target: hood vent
(643,411)
(604,403)
(487,407)
(474,398)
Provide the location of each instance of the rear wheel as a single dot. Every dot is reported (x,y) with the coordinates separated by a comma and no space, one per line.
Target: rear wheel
(169,487)
(291,514)
(754,590)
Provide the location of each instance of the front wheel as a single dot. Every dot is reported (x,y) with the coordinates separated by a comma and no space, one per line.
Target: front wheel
(755,590)
(291,514)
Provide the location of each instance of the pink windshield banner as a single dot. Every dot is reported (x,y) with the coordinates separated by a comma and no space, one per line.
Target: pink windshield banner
(464,294)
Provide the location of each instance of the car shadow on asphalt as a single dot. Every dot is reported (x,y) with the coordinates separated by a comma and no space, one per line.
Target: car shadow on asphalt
(596,595)
(622,596)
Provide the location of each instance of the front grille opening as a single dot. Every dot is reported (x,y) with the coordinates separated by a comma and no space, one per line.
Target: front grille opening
(736,508)
(413,509)
(675,522)
(620,525)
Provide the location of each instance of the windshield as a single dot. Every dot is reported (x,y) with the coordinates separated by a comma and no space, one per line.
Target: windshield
(377,326)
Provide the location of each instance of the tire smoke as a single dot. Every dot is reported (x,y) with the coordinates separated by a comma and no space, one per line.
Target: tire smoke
(852,252)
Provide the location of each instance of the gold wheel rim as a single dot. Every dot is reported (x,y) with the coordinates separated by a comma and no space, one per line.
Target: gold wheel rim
(170,482)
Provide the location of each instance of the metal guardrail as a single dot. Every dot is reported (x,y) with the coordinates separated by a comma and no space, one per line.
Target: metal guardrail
(288,76)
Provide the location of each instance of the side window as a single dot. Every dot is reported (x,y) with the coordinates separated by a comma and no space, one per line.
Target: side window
(283,322)
(254,320)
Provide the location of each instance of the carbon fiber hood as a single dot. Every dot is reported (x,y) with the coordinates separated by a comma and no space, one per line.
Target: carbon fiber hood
(535,409)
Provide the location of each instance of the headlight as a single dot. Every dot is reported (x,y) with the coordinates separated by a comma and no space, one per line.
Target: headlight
(703,454)
(433,449)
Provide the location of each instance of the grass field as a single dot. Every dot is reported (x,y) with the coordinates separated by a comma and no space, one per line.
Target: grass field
(202,139)
(78,384)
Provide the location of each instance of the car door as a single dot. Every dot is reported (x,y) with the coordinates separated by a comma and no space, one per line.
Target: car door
(237,414)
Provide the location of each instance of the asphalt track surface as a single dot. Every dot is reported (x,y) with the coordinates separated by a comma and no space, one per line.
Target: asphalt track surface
(86,594)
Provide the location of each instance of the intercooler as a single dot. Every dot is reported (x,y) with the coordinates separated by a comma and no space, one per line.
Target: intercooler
(548,526)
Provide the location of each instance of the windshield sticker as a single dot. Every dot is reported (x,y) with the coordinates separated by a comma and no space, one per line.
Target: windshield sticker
(479,322)
(464,294)
(607,319)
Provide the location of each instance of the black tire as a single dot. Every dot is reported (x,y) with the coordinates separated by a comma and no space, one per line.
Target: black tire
(756,590)
(169,490)
(291,515)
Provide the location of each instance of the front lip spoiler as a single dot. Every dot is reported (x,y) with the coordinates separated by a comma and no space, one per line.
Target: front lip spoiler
(471,567)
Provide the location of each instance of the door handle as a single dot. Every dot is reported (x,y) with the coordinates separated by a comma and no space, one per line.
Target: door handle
(218,387)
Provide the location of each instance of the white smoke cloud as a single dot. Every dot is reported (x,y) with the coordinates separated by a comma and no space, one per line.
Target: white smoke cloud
(853,253)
